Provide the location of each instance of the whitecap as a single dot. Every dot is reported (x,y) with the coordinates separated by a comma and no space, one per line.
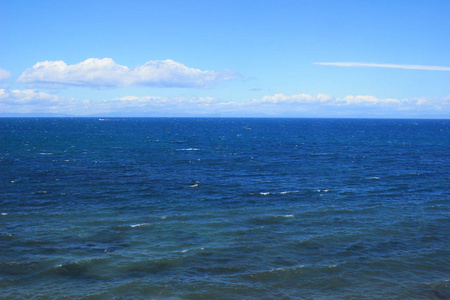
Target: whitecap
(288,192)
(4,214)
(38,193)
(188,149)
(322,191)
(138,225)
(278,193)
(287,269)
(189,250)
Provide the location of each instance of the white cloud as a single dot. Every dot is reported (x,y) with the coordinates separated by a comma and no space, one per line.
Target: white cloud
(200,106)
(376,65)
(293,99)
(305,105)
(26,97)
(278,105)
(4,74)
(105,73)
(31,101)
(327,100)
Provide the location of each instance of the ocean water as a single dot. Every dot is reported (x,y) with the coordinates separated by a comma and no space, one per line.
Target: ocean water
(180,208)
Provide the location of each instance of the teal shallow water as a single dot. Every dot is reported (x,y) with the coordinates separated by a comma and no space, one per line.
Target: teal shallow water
(224,209)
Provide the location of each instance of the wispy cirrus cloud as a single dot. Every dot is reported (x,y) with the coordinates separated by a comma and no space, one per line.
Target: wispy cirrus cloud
(377,65)
(105,73)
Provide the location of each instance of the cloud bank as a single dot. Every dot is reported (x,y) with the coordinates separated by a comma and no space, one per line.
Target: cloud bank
(351,106)
(328,100)
(105,73)
(278,105)
(410,67)
(30,101)
(21,97)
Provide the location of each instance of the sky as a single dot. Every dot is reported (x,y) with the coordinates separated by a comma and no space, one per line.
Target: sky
(302,58)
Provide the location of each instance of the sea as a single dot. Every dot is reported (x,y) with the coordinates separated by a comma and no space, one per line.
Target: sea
(224,208)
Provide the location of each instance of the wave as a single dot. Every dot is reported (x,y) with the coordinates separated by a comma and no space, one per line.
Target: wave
(278,193)
(291,273)
(19,268)
(191,250)
(89,268)
(267,220)
(188,149)
(139,225)
(440,289)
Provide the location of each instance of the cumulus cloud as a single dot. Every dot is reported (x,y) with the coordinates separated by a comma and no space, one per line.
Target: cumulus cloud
(157,106)
(281,105)
(34,101)
(327,100)
(4,74)
(31,101)
(294,99)
(26,97)
(376,65)
(278,105)
(105,73)
(321,105)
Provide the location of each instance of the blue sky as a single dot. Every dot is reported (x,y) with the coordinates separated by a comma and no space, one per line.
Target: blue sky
(382,59)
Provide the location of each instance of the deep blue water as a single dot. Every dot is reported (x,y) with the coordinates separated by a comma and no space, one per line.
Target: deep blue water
(224,208)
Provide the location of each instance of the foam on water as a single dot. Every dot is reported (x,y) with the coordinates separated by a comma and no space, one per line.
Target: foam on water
(139,225)
(189,149)
(278,193)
